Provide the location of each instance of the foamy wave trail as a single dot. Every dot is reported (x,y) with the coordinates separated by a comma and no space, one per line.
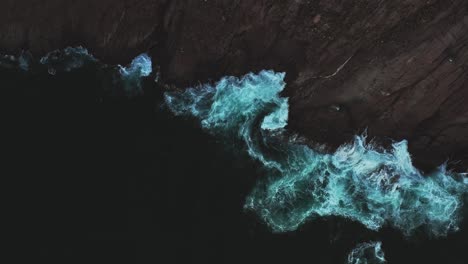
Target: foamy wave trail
(359,181)
(129,78)
(367,253)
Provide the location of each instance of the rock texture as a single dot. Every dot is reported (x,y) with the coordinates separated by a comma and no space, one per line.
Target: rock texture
(398,68)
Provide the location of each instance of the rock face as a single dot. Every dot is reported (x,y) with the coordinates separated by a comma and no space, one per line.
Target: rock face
(398,68)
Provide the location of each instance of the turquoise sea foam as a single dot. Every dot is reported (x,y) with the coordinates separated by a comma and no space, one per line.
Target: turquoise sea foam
(359,181)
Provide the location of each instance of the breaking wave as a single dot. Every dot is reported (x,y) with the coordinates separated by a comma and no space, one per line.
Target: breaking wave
(21,62)
(125,78)
(359,181)
(67,60)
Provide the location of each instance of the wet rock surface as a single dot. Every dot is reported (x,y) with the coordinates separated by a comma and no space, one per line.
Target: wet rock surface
(398,68)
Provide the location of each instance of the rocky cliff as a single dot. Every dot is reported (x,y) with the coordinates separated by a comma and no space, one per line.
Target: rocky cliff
(398,68)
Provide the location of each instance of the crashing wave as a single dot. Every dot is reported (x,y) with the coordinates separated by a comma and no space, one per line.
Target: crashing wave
(66,60)
(21,62)
(128,78)
(359,181)
(367,253)
(141,66)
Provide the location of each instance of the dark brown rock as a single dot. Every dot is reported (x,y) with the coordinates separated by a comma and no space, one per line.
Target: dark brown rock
(398,68)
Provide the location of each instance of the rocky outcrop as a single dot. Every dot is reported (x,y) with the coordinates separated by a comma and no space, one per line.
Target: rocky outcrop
(398,68)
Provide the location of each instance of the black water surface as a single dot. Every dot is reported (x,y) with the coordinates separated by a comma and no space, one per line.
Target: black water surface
(101,179)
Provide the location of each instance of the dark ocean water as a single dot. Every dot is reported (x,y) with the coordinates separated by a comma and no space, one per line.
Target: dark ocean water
(100,177)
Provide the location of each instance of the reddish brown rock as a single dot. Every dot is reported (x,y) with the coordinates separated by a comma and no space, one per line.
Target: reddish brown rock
(398,68)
